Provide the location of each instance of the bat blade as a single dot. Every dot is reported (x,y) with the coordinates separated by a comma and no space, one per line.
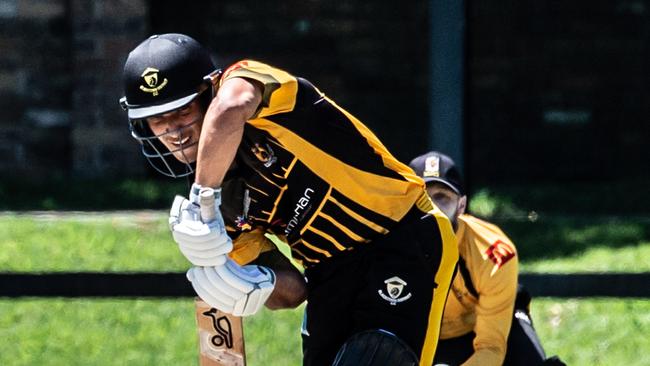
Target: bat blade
(221,337)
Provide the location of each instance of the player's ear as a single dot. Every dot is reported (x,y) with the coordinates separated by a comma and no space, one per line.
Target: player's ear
(462,204)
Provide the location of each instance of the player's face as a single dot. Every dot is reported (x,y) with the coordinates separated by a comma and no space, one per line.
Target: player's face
(446,200)
(179,130)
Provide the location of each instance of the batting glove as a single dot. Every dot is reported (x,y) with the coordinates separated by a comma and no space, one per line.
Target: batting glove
(233,289)
(203,244)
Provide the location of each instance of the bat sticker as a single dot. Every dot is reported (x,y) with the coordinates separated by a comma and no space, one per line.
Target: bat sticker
(223,327)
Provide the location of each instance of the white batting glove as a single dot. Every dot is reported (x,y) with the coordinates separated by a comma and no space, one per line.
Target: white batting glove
(203,244)
(233,289)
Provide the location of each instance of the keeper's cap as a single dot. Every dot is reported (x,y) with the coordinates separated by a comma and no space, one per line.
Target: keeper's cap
(438,167)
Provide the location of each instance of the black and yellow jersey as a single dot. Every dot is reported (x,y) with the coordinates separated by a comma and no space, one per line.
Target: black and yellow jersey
(312,173)
(482,299)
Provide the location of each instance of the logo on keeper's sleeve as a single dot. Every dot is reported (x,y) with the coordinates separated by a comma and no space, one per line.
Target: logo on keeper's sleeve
(500,253)
(394,287)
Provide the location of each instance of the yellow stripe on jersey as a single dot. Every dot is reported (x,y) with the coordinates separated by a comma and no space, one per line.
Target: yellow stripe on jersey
(386,196)
(443,278)
(275,204)
(327,237)
(388,159)
(290,167)
(315,249)
(257,190)
(361,219)
(268,179)
(320,207)
(424,203)
(343,228)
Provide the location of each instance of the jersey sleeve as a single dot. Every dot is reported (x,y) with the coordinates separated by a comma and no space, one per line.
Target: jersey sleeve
(248,246)
(495,275)
(279,88)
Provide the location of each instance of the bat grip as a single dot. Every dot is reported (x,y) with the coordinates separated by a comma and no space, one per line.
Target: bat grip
(206,200)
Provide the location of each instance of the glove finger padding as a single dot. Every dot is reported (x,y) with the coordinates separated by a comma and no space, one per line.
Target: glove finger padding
(202,244)
(195,234)
(206,291)
(233,289)
(231,279)
(262,280)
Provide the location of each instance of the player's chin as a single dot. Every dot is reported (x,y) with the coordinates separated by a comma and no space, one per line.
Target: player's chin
(186,156)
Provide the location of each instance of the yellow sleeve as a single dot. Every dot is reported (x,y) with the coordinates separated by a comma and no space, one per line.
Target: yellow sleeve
(279,87)
(248,246)
(495,276)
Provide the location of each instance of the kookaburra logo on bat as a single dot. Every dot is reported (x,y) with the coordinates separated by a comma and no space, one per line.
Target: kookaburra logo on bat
(150,76)
(223,328)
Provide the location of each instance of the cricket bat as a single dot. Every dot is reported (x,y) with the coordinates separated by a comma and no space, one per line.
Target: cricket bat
(221,335)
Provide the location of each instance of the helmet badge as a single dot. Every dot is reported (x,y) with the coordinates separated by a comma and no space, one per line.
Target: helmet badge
(150,76)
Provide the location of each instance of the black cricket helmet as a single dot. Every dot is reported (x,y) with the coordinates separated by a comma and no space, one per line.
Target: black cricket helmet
(164,73)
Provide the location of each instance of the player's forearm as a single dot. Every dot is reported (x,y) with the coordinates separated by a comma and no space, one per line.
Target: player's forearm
(220,137)
(289,292)
(222,130)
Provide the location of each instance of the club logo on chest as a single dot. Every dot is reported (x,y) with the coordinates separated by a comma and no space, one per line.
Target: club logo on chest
(264,154)
(394,287)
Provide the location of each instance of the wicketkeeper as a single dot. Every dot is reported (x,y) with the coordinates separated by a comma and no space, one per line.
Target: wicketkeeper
(285,159)
(486,320)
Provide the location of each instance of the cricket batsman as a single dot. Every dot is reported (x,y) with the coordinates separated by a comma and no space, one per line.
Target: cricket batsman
(283,158)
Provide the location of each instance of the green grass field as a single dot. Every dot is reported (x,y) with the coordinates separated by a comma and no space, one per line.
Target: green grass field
(52,331)
(163,332)
(129,332)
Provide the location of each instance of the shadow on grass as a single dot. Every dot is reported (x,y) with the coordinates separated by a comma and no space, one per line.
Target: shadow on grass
(620,198)
(554,220)
(550,237)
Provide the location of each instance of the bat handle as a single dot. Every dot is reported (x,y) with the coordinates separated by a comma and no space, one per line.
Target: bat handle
(206,200)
